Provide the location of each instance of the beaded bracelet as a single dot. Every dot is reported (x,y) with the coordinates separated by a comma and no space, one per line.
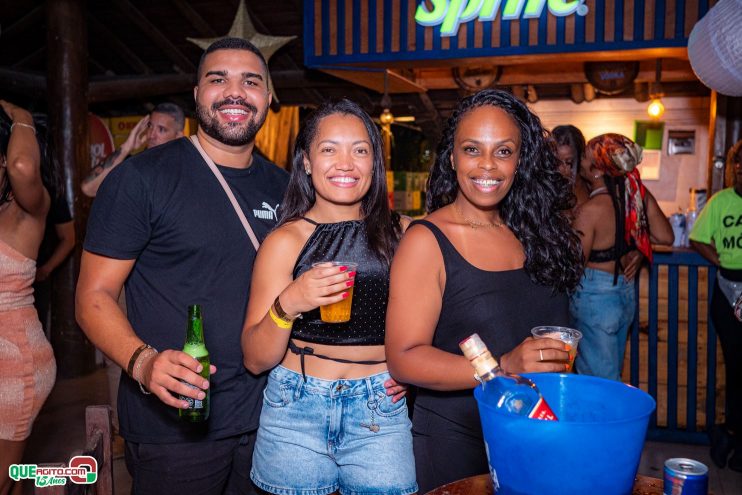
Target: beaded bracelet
(144,357)
(133,359)
(22,125)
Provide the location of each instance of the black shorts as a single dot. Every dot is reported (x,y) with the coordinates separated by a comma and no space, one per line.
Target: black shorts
(210,467)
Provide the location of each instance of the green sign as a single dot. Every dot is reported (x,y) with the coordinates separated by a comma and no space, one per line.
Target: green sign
(449,14)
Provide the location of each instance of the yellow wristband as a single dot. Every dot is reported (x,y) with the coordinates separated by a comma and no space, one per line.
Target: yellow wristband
(280,323)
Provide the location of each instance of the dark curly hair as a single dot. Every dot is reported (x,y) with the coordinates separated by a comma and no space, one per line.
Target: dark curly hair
(733,156)
(51,174)
(534,208)
(382,224)
(569,135)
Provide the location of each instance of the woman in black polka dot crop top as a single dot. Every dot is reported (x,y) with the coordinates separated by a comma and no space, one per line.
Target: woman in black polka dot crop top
(329,402)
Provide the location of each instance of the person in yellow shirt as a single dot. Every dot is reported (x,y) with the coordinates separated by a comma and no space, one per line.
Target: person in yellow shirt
(717,236)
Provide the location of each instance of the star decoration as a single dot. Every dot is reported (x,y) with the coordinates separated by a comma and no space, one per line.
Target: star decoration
(242,27)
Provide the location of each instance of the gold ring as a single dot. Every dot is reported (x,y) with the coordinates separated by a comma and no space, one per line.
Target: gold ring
(541,354)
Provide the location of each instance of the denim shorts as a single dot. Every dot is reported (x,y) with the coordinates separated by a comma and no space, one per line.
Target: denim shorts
(603,312)
(320,436)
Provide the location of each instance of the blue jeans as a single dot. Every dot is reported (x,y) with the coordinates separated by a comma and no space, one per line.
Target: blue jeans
(603,312)
(319,436)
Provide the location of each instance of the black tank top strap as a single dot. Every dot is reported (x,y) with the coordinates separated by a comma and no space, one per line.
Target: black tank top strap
(310,221)
(447,248)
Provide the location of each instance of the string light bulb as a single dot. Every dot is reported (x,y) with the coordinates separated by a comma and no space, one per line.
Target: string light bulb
(656,109)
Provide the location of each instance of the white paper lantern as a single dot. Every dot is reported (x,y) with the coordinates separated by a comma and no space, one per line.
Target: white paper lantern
(715,48)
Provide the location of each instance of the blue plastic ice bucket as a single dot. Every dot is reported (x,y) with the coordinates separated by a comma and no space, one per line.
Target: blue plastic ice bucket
(594,448)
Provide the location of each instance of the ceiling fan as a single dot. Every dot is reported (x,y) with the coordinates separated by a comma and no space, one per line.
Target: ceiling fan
(386,119)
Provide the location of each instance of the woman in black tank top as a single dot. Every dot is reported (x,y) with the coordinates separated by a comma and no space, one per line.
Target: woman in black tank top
(332,417)
(495,256)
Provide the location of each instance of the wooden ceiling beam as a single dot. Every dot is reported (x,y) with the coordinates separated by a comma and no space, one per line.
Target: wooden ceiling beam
(30,59)
(99,66)
(100,32)
(680,53)
(136,87)
(375,81)
(150,30)
(555,73)
(194,18)
(23,82)
(32,20)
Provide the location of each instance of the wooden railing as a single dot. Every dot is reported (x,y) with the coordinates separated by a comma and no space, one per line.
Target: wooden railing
(98,434)
(675,357)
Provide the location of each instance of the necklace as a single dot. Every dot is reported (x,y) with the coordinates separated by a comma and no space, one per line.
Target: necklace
(474,224)
(597,191)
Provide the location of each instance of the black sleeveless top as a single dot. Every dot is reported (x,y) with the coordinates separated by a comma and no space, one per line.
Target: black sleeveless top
(346,241)
(501,307)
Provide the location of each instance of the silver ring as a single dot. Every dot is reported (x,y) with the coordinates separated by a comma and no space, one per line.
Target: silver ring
(541,354)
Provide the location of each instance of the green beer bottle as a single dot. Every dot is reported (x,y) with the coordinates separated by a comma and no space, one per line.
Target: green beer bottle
(198,410)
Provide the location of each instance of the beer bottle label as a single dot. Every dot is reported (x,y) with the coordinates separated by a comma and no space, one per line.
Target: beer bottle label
(192,403)
(542,411)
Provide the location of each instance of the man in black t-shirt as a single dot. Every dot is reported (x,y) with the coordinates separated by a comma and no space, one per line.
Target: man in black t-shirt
(58,243)
(162,224)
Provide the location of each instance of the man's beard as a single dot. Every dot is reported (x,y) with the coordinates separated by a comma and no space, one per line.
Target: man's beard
(230,133)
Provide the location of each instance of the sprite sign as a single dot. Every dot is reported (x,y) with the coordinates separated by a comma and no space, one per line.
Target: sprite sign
(449,14)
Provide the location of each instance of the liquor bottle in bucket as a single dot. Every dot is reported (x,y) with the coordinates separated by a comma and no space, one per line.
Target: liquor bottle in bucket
(514,393)
(198,410)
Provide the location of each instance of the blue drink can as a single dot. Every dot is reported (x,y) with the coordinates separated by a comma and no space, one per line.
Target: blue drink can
(685,477)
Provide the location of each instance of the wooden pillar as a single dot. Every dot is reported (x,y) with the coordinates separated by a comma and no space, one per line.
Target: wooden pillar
(725,130)
(67,88)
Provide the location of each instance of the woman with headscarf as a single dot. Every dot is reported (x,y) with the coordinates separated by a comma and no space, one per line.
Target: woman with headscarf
(620,215)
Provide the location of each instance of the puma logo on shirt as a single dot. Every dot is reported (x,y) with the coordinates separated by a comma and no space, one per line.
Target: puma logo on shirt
(267,213)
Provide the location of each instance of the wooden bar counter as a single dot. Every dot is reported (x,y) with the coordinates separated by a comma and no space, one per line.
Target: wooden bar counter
(482,485)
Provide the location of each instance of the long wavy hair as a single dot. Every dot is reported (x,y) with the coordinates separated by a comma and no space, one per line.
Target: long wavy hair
(382,224)
(534,207)
(569,135)
(51,175)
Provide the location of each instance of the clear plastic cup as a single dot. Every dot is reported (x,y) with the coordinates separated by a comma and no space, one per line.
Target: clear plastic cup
(567,335)
(338,312)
